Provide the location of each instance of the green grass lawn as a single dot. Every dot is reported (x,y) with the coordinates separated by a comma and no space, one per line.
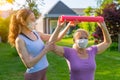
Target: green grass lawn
(11,67)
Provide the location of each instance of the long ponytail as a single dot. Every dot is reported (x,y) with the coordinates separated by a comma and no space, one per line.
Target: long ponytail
(14,30)
(17,22)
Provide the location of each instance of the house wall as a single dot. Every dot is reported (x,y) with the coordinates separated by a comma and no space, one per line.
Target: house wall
(40,25)
(46,26)
(49,25)
(43,25)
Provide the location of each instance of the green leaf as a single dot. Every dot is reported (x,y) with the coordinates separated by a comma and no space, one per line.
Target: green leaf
(10,1)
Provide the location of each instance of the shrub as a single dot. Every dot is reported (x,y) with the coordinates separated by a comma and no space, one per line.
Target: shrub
(4,26)
(111,14)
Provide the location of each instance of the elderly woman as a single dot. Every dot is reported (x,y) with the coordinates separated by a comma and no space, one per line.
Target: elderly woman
(80,58)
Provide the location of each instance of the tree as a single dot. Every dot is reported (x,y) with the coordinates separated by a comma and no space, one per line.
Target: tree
(111,14)
(10,1)
(102,3)
(2,2)
(110,10)
(4,24)
(34,5)
(88,25)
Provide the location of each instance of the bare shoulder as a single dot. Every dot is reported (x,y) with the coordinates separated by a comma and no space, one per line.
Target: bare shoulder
(19,42)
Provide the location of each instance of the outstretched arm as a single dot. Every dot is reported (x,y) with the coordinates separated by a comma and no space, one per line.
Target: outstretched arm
(107,39)
(54,35)
(57,35)
(59,50)
(63,32)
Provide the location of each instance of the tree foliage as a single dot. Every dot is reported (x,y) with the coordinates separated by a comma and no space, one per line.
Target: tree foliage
(10,1)
(89,26)
(34,6)
(4,26)
(2,2)
(4,22)
(102,3)
(111,14)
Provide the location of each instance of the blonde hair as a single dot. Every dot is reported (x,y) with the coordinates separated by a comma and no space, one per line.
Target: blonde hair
(17,21)
(80,31)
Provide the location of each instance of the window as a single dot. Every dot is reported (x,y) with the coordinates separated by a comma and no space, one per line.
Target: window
(53,24)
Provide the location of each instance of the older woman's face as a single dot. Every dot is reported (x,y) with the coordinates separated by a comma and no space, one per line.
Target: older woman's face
(81,39)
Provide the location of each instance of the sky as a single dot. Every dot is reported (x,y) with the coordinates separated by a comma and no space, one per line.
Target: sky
(50,3)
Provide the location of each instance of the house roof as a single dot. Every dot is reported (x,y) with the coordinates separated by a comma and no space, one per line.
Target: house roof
(79,11)
(59,9)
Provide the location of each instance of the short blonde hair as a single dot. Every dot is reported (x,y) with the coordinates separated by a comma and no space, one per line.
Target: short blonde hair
(80,31)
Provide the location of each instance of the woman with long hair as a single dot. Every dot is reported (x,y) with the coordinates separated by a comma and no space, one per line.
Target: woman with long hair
(30,44)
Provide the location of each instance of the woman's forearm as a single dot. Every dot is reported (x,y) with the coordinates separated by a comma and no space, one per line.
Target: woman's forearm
(63,32)
(54,36)
(57,35)
(36,59)
(106,34)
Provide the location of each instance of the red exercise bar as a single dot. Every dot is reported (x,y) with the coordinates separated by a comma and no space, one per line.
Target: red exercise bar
(81,18)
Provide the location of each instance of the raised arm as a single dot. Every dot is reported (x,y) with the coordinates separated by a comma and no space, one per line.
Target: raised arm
(58,33)
(54,36)
(64,31)
(107,39)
